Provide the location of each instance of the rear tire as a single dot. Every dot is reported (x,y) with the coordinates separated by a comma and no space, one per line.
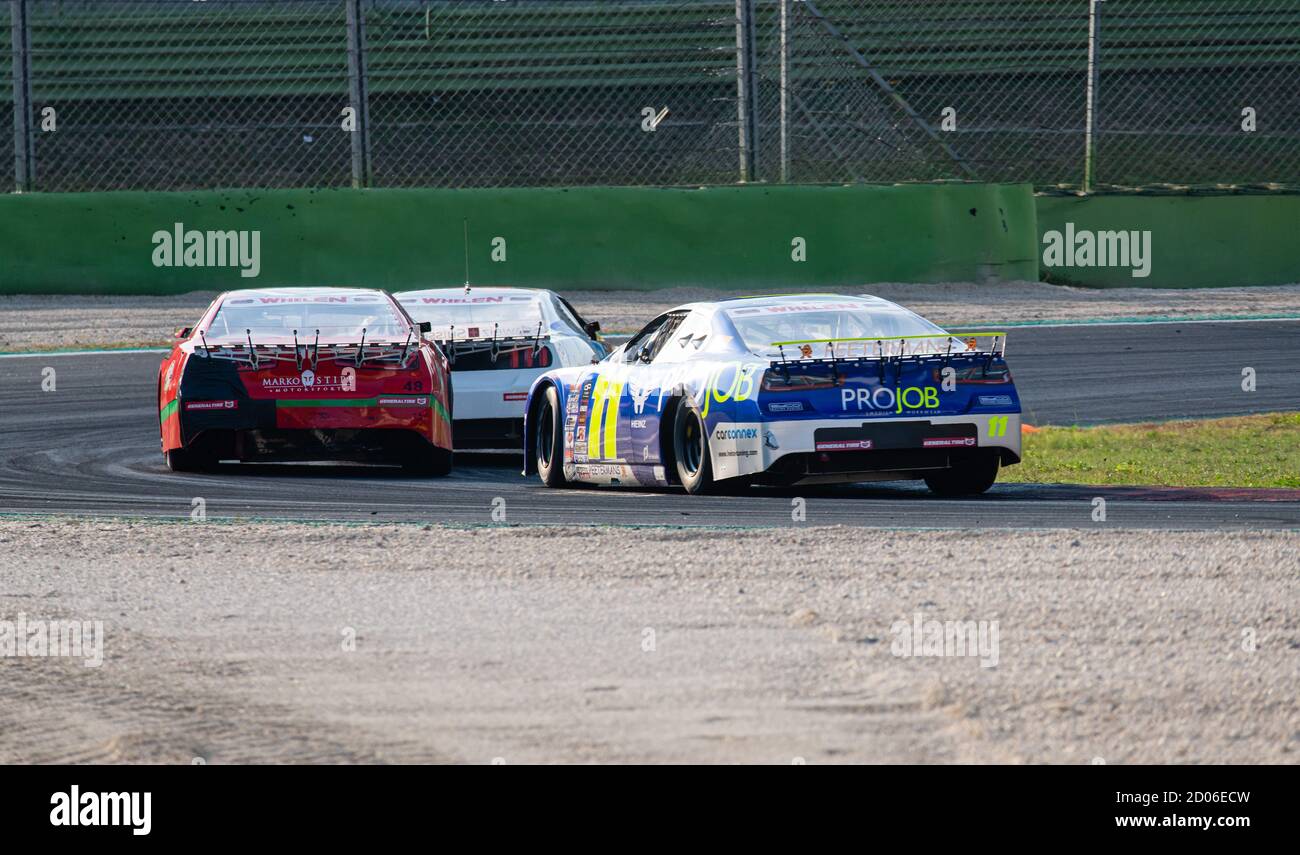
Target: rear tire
(187,460)
(548,441)
(691,450)
(968,478)
(433,461)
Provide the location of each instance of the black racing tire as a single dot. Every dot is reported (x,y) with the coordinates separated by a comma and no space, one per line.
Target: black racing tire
(187,460)
(967,478)
(691,449)
(433,461)
(548,441)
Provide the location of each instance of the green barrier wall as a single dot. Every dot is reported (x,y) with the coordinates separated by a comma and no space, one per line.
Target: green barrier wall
(580,238)
(1195,241)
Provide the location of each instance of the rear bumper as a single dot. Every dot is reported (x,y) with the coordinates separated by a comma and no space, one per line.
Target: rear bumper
(473,434)
(296,429)
(356,445)
(808,451)
(495,394)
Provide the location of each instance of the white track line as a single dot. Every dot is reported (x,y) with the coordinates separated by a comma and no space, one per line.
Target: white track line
(35,353)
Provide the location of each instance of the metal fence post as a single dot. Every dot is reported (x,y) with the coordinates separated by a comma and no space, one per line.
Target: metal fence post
(785,91)
(24,156)
(358,95)
(746,96)
(1094,70)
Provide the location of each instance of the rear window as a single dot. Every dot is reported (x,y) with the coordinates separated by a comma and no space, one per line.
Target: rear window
(766,329)
(474,311)
(274,319)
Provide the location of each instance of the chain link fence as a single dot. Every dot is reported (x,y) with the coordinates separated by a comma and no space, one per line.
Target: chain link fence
(187,94)
(542,92)
(901,91)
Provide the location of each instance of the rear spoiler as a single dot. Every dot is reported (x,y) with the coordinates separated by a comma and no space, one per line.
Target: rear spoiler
(493,344)
(890,347)
(360,352)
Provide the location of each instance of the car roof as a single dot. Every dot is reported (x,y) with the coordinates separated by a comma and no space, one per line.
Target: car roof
(762,300)
(475,294)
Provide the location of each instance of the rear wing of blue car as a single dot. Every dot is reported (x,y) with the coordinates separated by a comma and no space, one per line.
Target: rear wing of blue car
(942,345)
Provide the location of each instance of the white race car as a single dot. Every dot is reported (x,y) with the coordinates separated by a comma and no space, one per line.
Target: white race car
(498,341)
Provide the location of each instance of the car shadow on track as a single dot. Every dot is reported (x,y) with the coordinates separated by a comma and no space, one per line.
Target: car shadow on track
(471,461)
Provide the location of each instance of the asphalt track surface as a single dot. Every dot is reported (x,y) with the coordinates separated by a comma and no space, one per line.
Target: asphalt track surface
(91,448)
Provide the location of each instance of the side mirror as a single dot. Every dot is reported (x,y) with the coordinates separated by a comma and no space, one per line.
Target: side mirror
(591,328)
(183,332)
(425,326)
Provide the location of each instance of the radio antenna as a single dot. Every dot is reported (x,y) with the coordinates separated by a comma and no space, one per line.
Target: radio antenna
(465,223)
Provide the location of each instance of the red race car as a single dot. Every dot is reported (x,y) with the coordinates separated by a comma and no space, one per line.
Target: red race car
(305,374)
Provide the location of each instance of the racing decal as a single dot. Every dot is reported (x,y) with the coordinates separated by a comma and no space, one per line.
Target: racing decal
(602,426)
(735,433)
(570,423)
(791,308)
(619,473)
(998,426)
(737,448)
(602,470)
(361,403)
(580,430)
(639,427)
(883,399)
(328,402)
(844,445)
(995,400)
(323,298)
(402,402)
(785,407)
(514,396)
(640,394)
(948,442)
(885,435)
(465,301)
(310,381)
(739,388)
(212,405)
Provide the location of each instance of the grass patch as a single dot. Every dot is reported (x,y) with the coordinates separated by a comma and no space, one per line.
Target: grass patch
(1244,451)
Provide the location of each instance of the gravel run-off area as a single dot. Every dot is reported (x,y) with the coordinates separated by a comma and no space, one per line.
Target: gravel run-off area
(261,642)
(61,321)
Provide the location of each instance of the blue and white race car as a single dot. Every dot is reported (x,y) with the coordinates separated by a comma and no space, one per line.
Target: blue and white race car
(803,389)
